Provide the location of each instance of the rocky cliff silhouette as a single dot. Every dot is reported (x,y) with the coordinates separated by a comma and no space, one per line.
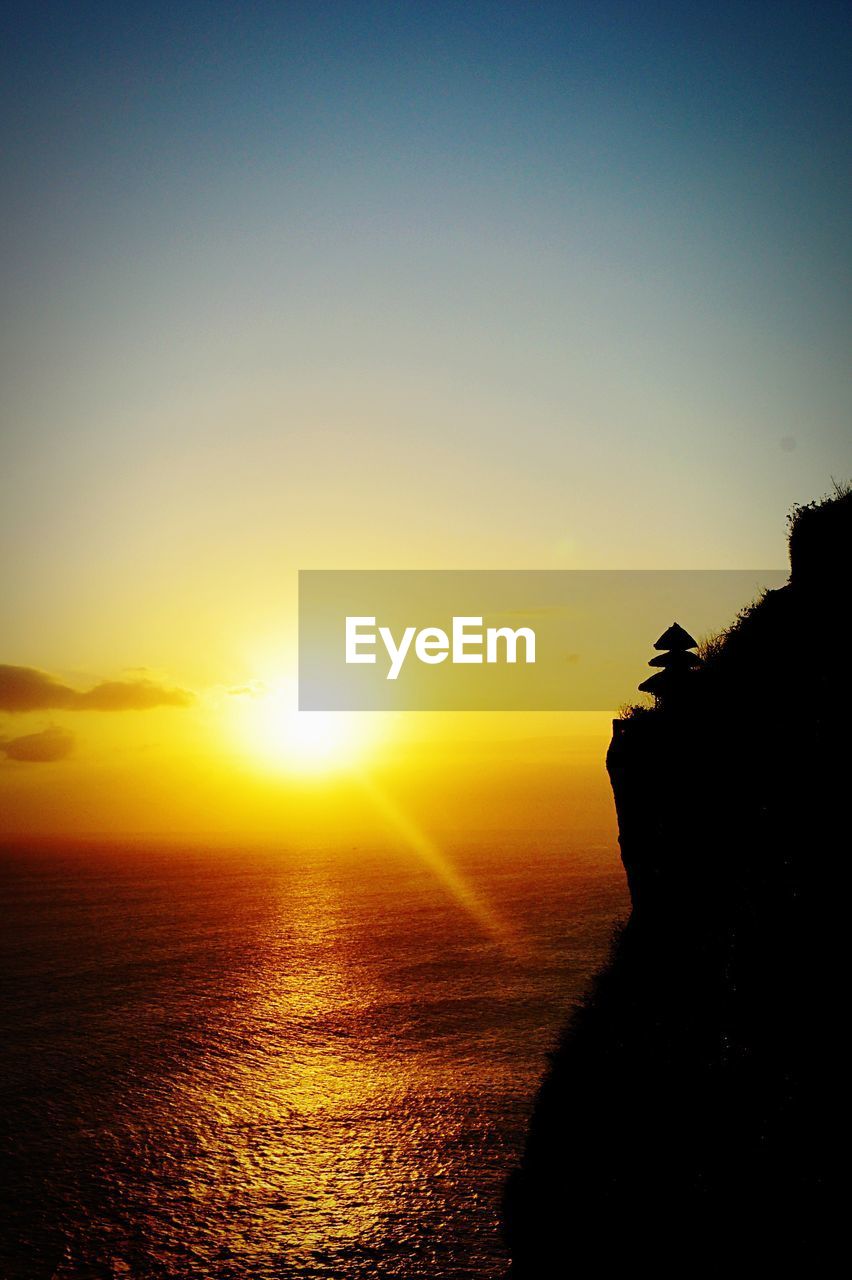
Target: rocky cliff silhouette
(687,1120)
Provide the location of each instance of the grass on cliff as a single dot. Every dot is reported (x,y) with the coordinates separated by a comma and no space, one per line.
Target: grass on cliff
(818,534)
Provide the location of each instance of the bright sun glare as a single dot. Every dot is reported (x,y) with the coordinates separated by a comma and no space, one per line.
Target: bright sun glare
(307,742)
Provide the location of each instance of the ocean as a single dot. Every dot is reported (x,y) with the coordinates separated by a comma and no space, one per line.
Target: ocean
(290,1063)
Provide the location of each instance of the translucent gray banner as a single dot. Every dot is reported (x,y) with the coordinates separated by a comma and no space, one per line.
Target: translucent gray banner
(459,640)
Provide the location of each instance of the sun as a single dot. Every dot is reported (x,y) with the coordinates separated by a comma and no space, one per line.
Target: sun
(280,736)
(306,741)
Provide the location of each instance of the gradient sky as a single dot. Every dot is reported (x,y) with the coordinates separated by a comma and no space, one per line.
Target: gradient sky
(399,285)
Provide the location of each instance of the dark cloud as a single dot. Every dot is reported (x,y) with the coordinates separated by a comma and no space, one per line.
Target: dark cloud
(27,689)
(39,748)
(130,695)
(254,690)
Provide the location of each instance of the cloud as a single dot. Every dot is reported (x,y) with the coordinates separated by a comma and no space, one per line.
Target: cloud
(130,695)
(39,748)
(254,690)
(27,689)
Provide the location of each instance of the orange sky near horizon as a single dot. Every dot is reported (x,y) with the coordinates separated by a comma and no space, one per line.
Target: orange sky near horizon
(359,287)
(239,765)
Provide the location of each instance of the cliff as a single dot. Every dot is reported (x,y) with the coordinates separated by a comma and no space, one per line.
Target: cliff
(686,1120)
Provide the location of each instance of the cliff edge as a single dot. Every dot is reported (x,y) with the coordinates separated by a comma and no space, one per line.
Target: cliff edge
(687,1118)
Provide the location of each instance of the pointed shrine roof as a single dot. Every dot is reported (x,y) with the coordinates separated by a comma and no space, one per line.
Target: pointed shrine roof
(659,683)
(671,680)
(676,658)
(675,638)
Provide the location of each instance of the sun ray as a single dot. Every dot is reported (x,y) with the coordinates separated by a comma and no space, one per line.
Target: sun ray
(429,853)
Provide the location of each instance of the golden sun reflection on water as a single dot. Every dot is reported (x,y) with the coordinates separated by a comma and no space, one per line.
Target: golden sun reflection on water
(329,1126)
(323,1122)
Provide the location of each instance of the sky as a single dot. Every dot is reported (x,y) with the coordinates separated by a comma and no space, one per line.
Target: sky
(388,286)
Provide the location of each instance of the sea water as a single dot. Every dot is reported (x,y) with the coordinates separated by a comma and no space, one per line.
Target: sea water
(283,1063)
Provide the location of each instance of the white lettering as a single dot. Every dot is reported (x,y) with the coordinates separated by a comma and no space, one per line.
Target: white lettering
(511,638)
(396,655)
(432,644)
(461,638)
(354,639)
